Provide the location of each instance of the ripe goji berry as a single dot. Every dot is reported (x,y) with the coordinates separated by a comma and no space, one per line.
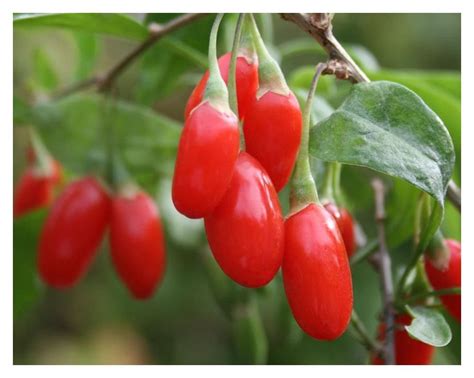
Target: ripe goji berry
(345,224)
(246,231)
(207,152)
(447,277)
(316,273)
(35,188)
(72,232)
(408,351)
(137,243)
(246,74)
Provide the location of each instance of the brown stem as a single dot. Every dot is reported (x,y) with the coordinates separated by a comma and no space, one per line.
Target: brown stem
(454,195)
(319,26)
(383,265)
(156,32)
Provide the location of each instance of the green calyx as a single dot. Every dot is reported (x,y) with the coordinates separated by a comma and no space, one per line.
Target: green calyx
(270,76)
(303,189)
(216,90)
(438,252)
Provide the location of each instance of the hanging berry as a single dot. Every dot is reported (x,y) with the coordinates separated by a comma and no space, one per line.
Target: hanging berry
(35,188)
(137,242)
(445,273)
(72,232)
(272,123)
(245,231)
(316,273)
(208,147)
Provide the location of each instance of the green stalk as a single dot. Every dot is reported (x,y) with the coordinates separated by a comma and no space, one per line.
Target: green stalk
(43,158)
(303,188)
(216,90)
(231,82)
(270,76)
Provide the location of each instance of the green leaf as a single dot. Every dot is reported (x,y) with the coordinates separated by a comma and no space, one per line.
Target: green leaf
(26,286)
(114,24)
(21,111)
(441,90)
(388,128)
(176,54)
(87,51)
(73,130)
(44,74)
(429,326)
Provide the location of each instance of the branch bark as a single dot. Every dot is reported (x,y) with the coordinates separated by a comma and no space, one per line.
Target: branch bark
(383,265)
(319,26)
(156,32)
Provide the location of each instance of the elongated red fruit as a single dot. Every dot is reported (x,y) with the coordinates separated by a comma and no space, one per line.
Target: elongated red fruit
(137,243)
(449,277)
(246,75)
(207,152)
(316,273)
(246,231)
(408,351)
(272,129)
(72,232)
(35,189)
(346,226)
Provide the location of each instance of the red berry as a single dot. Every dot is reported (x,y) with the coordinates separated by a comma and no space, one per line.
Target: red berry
(246,231)
(72,232)
(246,75)
(346,226)
(448,278)
(137,243)
(32,192)
(207,152)
(35,189)
(408,351)
(316,273)
(272,129)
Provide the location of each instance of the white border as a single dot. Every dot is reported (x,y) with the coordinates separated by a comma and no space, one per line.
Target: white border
(139,6)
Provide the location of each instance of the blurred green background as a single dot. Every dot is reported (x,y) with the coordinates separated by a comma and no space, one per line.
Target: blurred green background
(97,322)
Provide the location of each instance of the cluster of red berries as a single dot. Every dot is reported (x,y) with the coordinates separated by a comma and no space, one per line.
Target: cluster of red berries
(76,225)
(235,191)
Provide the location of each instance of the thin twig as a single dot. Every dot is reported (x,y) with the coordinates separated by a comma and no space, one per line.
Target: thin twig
(434,293)
(364,338)
(454,194)
(319,26)
(385,271)
(156,32)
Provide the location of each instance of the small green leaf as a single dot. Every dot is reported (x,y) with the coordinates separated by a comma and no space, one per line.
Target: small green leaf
(21,111)
(44,75)
(114,24)
(146,141)
(386,127)
(184,50)
(87,51)
(429,326)
(26,286)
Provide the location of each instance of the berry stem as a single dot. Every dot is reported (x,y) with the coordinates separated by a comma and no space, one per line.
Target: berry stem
(216,89)
(231,82)
(269,73)
(43,158)
(303,188)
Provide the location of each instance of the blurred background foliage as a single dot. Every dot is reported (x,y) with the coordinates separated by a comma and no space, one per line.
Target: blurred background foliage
(187,321)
